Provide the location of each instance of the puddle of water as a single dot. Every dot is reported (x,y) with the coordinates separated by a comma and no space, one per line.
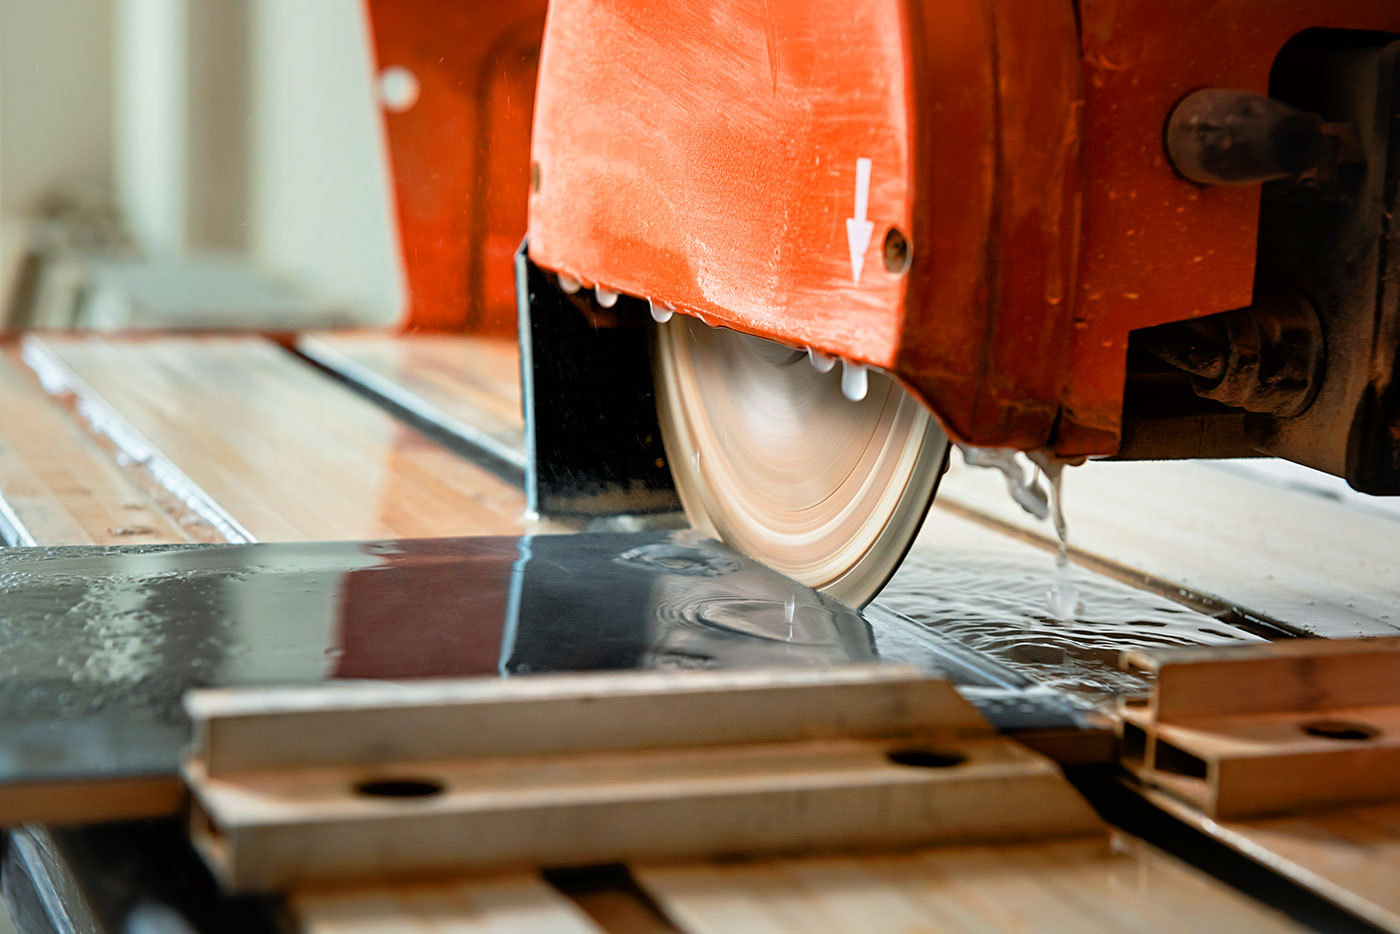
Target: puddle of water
(992,600)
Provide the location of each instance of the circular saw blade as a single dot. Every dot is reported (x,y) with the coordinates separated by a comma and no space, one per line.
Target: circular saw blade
(771,457)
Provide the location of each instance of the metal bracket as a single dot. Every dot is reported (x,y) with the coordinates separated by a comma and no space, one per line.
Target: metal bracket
(389,780)
(1268,728)
(592,442)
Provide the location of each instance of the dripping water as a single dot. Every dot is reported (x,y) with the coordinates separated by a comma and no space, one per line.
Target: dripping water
(660,313)
(1062,595)
(1029,492)
(855,381)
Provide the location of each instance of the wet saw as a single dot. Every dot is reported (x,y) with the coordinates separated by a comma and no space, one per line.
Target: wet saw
(780,252)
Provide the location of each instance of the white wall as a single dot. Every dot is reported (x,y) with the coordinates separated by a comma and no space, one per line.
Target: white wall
(319,208)
(55,97)
(246,125)
(150,93)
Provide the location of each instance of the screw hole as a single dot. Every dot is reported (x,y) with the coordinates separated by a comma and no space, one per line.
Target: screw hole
(399,788)
(1340,729)
(896,252)
(925,758)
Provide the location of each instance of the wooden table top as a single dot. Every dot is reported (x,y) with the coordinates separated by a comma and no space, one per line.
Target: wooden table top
(130,440)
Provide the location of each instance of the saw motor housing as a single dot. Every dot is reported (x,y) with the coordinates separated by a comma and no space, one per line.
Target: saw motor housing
(1138,228)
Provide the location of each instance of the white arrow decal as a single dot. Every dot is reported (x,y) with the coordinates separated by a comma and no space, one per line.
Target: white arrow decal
(858,229)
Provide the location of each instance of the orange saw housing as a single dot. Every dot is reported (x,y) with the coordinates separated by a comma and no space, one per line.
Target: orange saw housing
(970,194)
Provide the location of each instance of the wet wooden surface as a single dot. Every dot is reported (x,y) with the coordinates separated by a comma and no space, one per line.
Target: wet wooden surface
(1096,884)
(522,902)
(1348,855)
(57,485)
(266,447)
(232,438)
(1316,564)
(468,386)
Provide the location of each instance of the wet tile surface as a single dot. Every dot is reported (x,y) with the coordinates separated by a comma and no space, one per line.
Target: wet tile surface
(101,643)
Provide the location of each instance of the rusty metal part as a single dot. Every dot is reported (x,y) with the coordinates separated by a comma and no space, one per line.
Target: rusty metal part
(1218,136)
(1200,347)
(768,454)
(1266,358)
(1326,238)
(1275,359)
(1335,240)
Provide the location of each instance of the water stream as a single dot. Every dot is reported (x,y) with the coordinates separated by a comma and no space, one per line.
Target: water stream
(1027,490)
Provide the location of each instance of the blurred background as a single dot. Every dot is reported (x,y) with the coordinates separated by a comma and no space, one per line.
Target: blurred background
(193,163)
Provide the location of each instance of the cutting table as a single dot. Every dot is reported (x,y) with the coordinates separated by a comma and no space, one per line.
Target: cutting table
(362,436)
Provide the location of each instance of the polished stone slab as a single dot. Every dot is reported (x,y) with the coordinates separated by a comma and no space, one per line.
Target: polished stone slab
(97,645)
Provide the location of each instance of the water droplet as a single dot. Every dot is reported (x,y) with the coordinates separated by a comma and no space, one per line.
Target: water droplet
(568,284)
(606,297)
(806,624)
(1062,597)
(855,382)
(821,362)
(660,313)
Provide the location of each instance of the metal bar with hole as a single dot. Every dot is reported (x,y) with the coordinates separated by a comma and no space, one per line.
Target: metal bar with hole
(1269,728)
(383,781)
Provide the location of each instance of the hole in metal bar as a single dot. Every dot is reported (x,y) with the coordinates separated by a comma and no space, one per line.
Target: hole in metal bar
(1134,742)
(925,758)
(1169,758)
(399,788)
(1340,729)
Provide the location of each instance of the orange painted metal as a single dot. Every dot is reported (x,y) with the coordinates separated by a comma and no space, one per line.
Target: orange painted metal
(705,156)
(987,321)
(1157,248)
(460,155)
